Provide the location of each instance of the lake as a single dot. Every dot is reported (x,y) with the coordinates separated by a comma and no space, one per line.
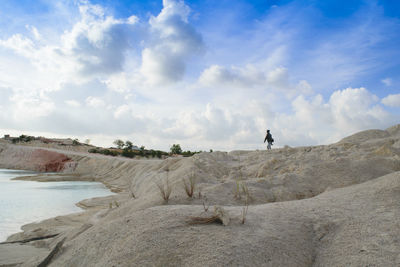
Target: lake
(23,202)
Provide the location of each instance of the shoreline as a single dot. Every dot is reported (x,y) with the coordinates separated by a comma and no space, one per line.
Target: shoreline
(84,204)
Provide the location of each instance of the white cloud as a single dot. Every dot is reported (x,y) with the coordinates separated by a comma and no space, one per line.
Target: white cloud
(95,46)
(253,76)
(98,42)
(347,111)
(303,87)
(392,100)
(20,44)
(212,126)
(279,78)
(238,77)
(173,42)
(26,107)
(72,103)
(217,75)
(121,111)
(34,32)
(387,81)
(95,102)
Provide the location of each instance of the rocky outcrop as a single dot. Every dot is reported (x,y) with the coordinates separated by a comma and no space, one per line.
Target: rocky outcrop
(49,161)
(35,159)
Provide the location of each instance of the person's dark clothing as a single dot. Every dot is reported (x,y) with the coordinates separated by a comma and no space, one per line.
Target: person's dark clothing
(268,138)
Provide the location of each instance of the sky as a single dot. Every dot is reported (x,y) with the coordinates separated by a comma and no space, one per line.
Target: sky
(204,74)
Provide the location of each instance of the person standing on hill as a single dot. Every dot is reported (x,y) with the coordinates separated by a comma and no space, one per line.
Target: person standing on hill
(269,139)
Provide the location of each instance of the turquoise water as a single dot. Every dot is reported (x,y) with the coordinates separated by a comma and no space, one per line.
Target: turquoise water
(23,202)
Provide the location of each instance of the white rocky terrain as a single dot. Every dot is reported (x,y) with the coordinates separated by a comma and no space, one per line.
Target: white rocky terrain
(331,205)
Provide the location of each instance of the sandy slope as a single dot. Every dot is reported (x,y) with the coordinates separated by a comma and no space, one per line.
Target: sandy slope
(344,208)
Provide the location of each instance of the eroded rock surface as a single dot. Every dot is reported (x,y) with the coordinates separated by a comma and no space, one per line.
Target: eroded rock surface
(333,205)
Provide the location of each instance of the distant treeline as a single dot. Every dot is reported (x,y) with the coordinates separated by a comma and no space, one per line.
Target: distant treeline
(124,149)
(128,150)
(129,153)
(23,138)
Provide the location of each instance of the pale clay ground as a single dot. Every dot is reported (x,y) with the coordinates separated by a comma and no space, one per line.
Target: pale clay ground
(334,205)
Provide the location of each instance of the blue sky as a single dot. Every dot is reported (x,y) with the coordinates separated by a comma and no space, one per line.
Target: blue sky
(205,74)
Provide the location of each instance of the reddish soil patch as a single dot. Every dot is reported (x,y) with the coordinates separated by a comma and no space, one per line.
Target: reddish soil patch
(49,161)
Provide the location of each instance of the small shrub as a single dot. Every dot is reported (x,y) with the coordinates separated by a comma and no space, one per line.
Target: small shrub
(109,152)
(128,153)
(93,150)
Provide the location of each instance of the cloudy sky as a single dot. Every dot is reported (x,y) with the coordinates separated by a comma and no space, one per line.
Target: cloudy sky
(201,73)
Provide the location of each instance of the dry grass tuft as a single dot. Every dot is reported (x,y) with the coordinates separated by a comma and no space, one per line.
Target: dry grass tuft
(189,185)
(244,212)
(220,216)
(242,189)
(237,191)
(205,205)
(130,186)
(165,188)
(132,194)
(245,191)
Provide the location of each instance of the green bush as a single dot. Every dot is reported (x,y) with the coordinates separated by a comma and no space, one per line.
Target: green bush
(107,152)
(93,150)
(128,153)
(176,149)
